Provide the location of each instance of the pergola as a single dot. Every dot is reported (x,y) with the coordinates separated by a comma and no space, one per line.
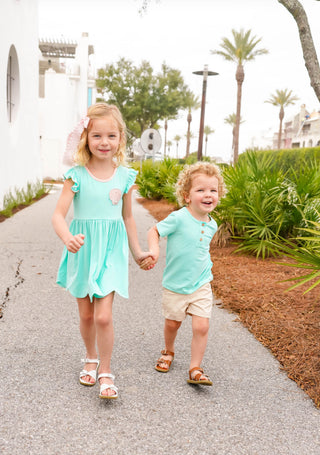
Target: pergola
(59,48)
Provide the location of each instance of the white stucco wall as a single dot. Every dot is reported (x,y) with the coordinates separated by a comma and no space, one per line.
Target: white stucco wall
(57,118)
(65,102)
(20,152)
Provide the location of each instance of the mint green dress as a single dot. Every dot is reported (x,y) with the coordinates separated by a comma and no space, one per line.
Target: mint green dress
(101,264)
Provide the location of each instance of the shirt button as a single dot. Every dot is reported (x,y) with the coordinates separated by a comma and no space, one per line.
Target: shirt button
(203,224)
(200,240)
(202,232)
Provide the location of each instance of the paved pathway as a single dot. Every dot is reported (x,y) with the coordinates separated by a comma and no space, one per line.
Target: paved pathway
(252,409)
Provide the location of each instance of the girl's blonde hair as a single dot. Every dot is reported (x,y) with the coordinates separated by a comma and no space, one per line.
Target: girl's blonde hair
(83,154)
(184,182)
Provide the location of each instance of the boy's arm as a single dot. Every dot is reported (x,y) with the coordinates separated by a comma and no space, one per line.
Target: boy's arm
(153,242)
(154,250)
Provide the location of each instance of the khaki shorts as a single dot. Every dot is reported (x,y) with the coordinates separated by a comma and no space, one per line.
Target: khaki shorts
(177,306)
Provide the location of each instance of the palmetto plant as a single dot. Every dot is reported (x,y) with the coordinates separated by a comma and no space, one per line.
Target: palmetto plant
(282,98)
(241,50)
(263,204)
(306,255)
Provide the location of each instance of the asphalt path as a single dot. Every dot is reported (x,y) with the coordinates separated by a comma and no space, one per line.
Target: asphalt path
(252,408)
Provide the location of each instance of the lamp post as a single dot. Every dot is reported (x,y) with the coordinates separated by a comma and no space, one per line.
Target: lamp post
(205,73)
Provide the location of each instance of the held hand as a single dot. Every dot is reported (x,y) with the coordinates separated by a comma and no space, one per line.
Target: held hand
(147,264)
(75,243)
(148,261)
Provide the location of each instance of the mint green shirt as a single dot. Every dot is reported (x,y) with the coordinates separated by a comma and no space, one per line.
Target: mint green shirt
(188,262)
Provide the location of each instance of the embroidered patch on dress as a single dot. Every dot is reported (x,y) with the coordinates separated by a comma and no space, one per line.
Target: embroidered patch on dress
(115,195)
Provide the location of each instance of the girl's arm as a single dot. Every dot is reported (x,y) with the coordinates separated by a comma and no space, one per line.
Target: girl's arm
(72,242)
(131,228)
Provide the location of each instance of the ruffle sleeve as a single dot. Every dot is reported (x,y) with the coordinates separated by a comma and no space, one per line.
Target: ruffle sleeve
(72,174)
(131,178)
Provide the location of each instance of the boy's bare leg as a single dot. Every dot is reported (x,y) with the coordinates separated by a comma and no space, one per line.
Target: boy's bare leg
(171,328)
(200,330)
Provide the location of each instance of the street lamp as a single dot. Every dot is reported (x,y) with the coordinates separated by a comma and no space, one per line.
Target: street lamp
(205,73)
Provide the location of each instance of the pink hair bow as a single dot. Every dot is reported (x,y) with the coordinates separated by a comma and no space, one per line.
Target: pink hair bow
(73,141)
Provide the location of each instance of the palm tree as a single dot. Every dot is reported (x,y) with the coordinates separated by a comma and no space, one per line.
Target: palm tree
(298,13)
(177,139)
(241,51)
(169,144)
(231,120)
(189,135)
(165,137)
(207,131)
(282,98)
(193,103)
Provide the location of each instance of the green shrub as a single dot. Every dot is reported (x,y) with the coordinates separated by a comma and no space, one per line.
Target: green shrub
(264,202)
(157,180)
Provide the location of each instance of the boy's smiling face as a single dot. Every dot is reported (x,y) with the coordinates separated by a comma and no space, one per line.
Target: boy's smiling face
(203,196)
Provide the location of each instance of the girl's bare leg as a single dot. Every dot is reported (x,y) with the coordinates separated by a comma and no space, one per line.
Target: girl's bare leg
(88,333)
(200,330)
(105,336)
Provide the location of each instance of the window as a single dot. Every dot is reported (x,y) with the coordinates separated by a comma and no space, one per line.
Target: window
(13,85)
(89,96)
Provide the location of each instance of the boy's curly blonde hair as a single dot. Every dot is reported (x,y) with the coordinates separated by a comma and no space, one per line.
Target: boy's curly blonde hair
(184,182)
(83,154)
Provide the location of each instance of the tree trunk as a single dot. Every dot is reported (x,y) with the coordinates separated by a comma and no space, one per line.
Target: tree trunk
(189,120)
(165,137)
(281,116)
(309,52)
(233,139)
(239,79)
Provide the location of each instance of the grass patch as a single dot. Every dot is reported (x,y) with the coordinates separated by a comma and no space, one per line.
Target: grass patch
(20,198)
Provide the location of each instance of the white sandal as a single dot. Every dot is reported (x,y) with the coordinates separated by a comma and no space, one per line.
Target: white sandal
(92,373)
(104,387)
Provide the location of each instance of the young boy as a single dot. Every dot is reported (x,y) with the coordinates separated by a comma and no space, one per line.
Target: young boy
(187,274)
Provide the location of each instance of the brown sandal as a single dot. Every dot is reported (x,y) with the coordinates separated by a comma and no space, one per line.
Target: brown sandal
(195,379)
(162,360)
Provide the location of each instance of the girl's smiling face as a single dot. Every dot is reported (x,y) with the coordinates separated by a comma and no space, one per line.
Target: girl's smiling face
(203,196)
(104,138)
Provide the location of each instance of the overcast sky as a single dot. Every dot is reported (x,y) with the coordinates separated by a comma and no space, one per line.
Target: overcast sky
(182,33)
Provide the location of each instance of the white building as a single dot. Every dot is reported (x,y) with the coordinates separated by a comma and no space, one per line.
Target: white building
(19,82)
(305,129)
(302,130)
(67,88)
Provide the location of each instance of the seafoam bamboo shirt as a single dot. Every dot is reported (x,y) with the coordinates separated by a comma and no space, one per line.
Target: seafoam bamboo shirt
(188,262)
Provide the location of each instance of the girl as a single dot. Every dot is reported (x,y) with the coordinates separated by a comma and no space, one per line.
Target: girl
(94,264)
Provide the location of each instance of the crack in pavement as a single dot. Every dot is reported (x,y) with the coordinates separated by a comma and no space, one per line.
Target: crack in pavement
(18,280)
